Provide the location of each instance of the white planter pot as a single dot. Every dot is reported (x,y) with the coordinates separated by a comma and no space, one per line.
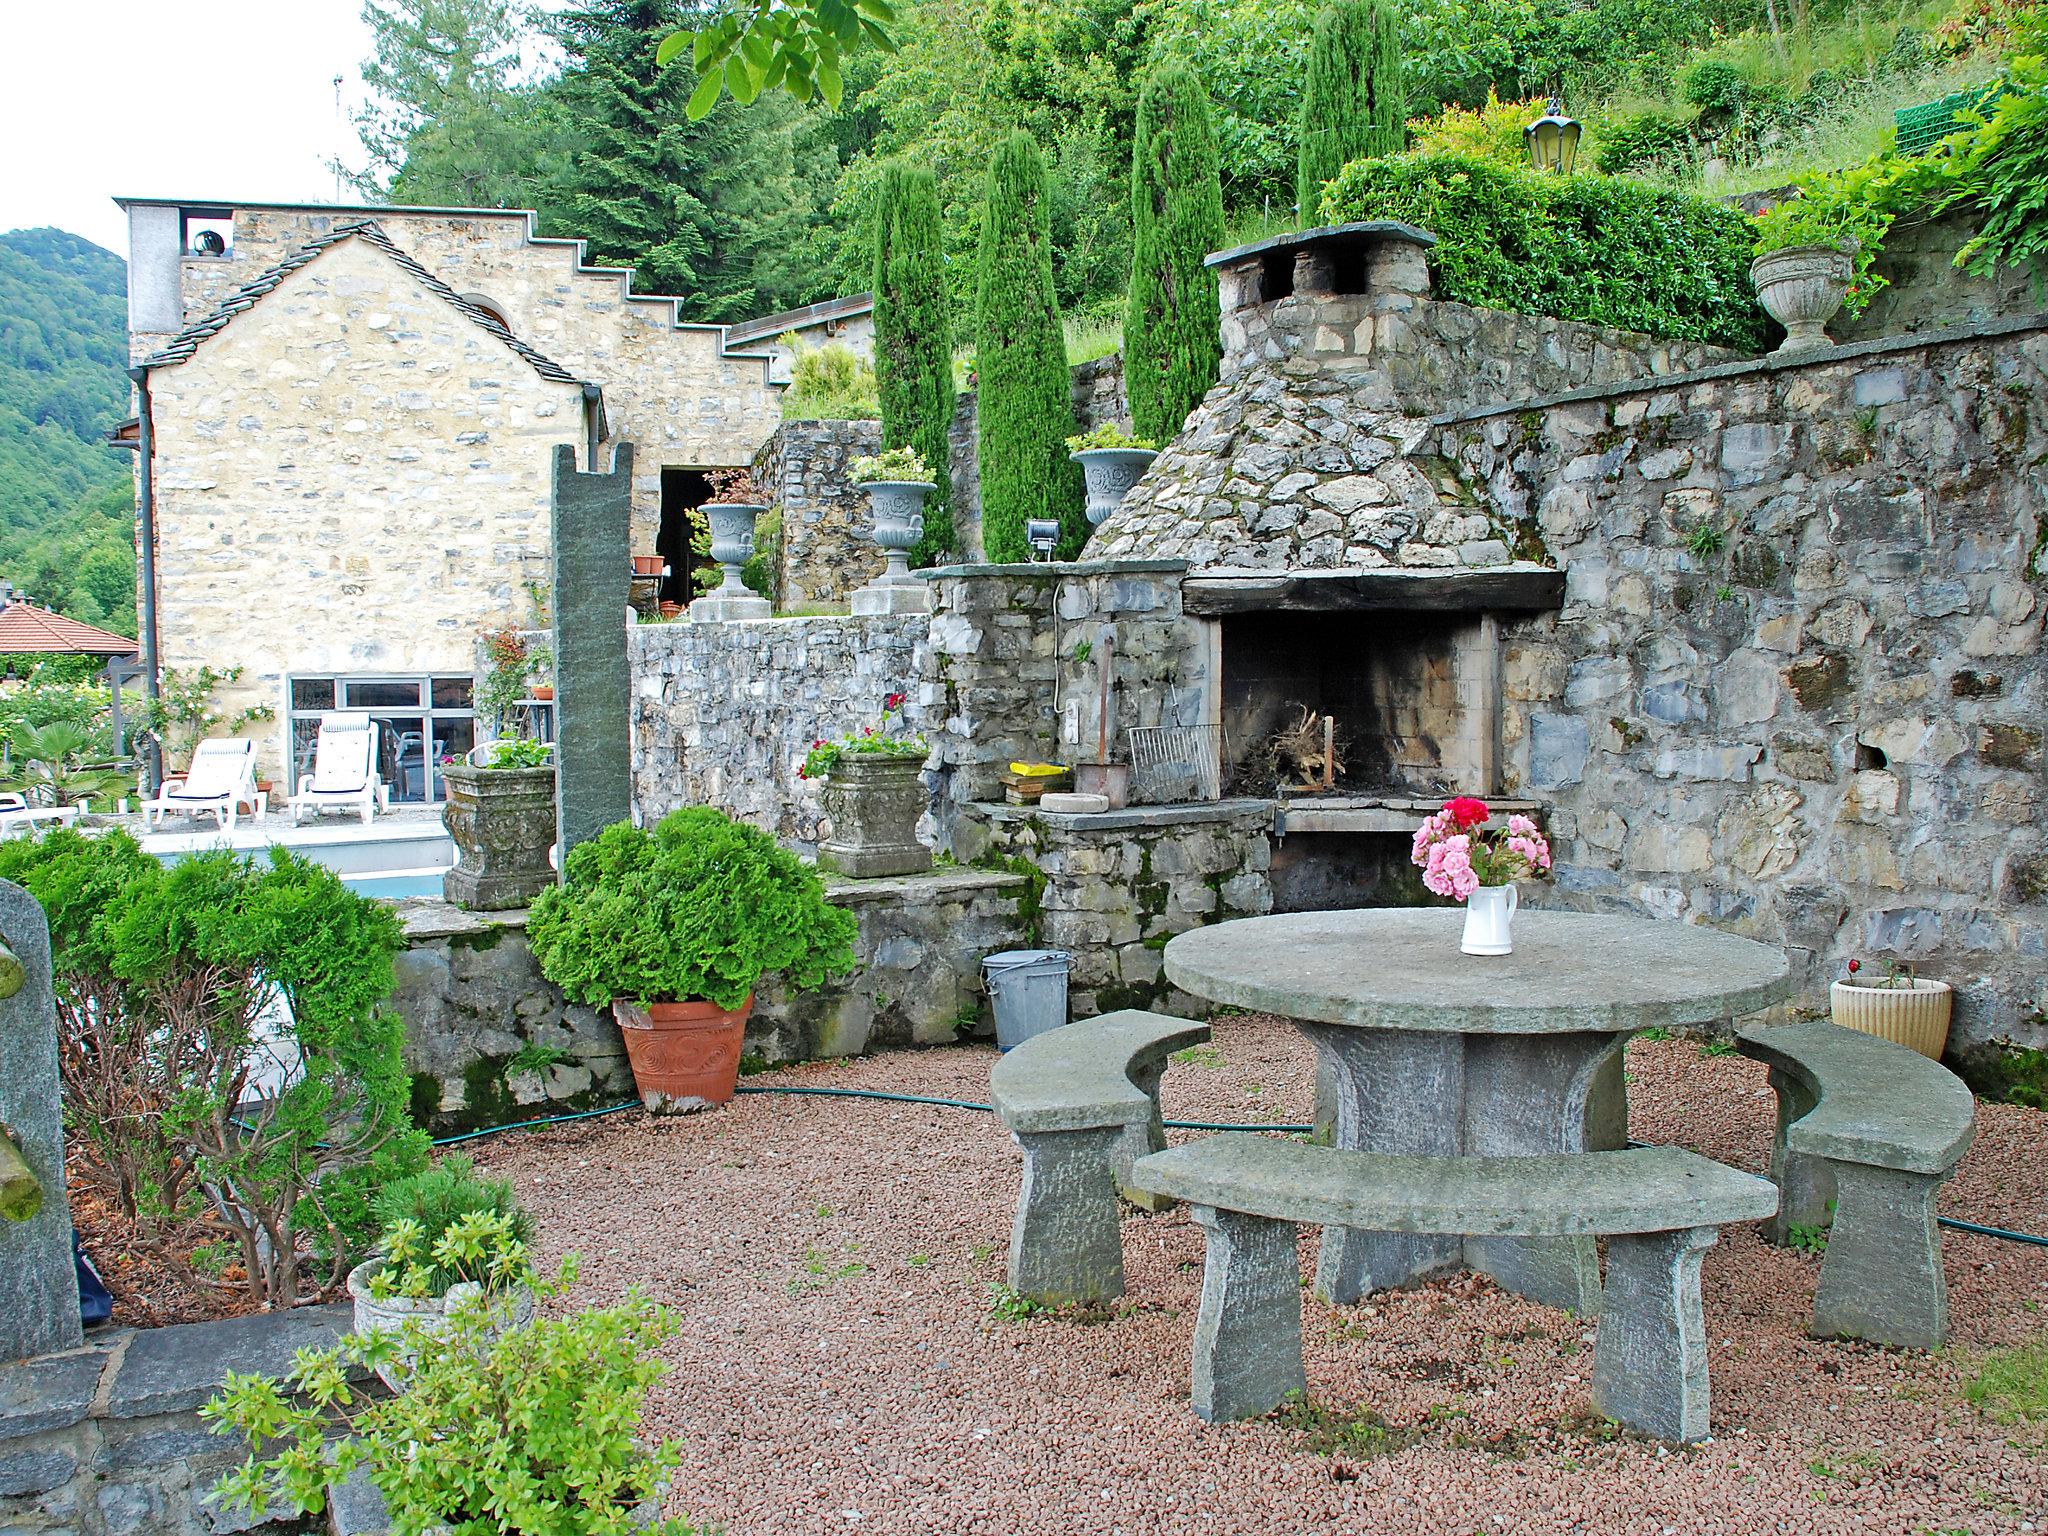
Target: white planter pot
(430,1312)
(1490,920)
(1914,1014)
(1802,287)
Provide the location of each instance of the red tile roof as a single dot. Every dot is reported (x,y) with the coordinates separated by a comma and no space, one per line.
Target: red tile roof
(26,629)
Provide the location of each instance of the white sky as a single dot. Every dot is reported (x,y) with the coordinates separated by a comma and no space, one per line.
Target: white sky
(216,99)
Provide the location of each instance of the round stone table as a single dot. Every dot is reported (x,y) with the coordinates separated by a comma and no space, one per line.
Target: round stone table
(1432,1052)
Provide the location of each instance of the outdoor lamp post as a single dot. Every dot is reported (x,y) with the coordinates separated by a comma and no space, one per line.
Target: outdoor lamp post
(1553,140)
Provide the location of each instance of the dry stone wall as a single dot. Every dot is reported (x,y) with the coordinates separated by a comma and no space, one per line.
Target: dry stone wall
(1797,687)
(824,551)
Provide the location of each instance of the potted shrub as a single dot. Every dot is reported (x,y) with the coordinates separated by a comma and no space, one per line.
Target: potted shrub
(444,1235)
(1902,1007)
(501,816)
(530,1428)
(673,928)
(540,671)
(1112,461)
(897,483)
(874,795)
(737,501)
(1814,251)
(1460,861)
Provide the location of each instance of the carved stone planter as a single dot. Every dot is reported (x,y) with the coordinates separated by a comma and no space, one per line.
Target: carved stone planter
(1802,287)
(732,546)
(874,802)
(503,823)
(1109,474)
(899,523)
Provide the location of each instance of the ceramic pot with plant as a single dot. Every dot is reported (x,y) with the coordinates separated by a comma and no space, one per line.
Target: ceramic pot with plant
(1480,869)
(546,1411)
(1112,461)
(874,797)
(1814,250)
(897,482)
(736,504)
(501,816)
(674,927)
(1899,1006)
(439,1232)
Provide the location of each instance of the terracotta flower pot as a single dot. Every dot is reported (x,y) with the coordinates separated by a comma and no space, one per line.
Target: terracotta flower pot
(648,565)
(685,1056)
(543,693)
(1914,1014)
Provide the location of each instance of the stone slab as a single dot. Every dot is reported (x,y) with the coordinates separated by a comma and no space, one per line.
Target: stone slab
(1056,803)
(50,1392)
(727,610)
(880,598)
(1219,592)
(1645,1189)
(168,1370)
(1079,1076)
(935,886)
(1400,968)
(593,685)
(1055,570)
(38,1283)
(1133,818)
(1879,1103)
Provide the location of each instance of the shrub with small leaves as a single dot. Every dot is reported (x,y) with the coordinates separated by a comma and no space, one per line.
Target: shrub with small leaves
(903,464)
(1108,435)
(444,1225)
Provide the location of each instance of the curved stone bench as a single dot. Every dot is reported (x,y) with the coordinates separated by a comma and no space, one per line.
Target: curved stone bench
(1873,1130)
(1657,1206)
(1082,1101)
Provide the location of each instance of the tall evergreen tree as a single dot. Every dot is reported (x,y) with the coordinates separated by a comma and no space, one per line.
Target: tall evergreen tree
(1171,327)
(914,337)
(1351,98)
(1026,405)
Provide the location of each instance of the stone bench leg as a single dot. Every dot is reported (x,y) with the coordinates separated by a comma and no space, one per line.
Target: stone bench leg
(1650,1357)
(1066,1244)
(1806,1186)
(1248,1331)
(1142,1140)
(1881,1278)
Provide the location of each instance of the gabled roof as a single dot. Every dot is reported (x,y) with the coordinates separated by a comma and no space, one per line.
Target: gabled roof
(181,346)
(26,630)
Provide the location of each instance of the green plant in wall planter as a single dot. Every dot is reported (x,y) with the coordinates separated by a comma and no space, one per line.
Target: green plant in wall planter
(527,1429)
(501,816)
(674,928)
(1815,249)
(1112,461)
(874,796)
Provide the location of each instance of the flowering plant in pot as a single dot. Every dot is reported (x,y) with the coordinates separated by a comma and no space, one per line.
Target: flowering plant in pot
(874,795)
(1479,868)
(736,502)
(1900,1006)
(1112,461)
(529,1429)
(1815,252)
(673,928)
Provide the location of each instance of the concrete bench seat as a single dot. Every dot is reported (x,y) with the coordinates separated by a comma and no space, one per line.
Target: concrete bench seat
(1658,1207)
(1082,1102)
(1868,1132)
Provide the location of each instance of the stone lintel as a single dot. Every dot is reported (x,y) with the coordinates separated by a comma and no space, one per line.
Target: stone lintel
(169,1370)
(1372,231)
(934,886)
(1137,818)
(1055,570)
(1521,587)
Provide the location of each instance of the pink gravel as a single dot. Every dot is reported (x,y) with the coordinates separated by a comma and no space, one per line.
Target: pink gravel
(838,1368)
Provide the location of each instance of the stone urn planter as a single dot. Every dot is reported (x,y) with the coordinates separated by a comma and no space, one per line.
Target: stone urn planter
(732,546)
(1109,474)
(1801,288)
(1915,1013)
(874,800)
(898,507)
(430,1312)
(686,1055)
(503,824)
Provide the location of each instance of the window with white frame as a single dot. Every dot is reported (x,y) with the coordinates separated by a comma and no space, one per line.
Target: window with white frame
(423,724)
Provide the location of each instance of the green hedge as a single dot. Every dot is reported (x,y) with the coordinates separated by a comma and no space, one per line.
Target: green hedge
(1592,248)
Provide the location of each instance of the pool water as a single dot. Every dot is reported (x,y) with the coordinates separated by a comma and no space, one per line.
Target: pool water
(396,883)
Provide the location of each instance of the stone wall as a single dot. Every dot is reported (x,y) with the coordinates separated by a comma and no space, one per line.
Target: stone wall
(823,552)
(352,478)
(723,714)
(1797,687)
(1117,886)
(1099,398)
(105,1440)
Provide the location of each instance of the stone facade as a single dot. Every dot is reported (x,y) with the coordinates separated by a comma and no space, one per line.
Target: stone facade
(823,551)
(1797,687)
(1117,886)
(723,714)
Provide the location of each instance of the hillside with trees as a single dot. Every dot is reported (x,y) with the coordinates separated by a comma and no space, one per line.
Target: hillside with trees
(66,497)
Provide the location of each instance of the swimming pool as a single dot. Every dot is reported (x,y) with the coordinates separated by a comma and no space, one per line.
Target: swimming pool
(393,884)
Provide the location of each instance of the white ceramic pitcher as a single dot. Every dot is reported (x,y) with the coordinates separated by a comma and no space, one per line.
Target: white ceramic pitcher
(1489,920)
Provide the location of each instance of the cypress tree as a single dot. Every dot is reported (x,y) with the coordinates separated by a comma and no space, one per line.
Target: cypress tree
(1026,406)
(1351,100)
(1171,328)
(914,338)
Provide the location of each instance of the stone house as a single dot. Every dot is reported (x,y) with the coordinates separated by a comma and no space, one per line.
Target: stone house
(348,417)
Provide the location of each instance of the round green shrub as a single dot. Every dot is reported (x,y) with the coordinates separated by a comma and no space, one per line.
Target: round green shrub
(1642,139)
(700,907)
(1714,85)
(436,1199)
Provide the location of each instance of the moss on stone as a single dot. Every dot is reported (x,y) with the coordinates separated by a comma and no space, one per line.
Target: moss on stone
(2005,1074)
(1819,680)
(1754,563)
(1031,903)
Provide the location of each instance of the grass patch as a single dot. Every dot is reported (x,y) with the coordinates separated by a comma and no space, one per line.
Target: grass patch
(1357,1432)
(1090,337)
(819,1270)
(1205,1056)
(1008,1306)
(2011,1385)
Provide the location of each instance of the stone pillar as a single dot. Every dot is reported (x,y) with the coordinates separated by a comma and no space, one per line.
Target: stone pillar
(38,1281)
(1247,1356)
(1650,1356)
(1066,1244)
(593,688)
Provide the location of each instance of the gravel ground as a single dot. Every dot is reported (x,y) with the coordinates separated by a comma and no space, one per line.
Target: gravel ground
(839,1368)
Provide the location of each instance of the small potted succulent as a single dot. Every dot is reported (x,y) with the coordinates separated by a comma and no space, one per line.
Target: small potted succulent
(874,795)
(1460,861)
(444,1235)
(1900,1006)
(500,813)
(1814,251)
(737,502)
(532,1426)
(673,928)
(1112,461)
(897,482)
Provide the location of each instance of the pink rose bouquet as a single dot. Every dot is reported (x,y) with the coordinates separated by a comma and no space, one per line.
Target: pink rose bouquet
(1456,858)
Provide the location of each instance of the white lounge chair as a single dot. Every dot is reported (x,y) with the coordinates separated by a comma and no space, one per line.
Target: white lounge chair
(344,769)
(220,781)
(18,816)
